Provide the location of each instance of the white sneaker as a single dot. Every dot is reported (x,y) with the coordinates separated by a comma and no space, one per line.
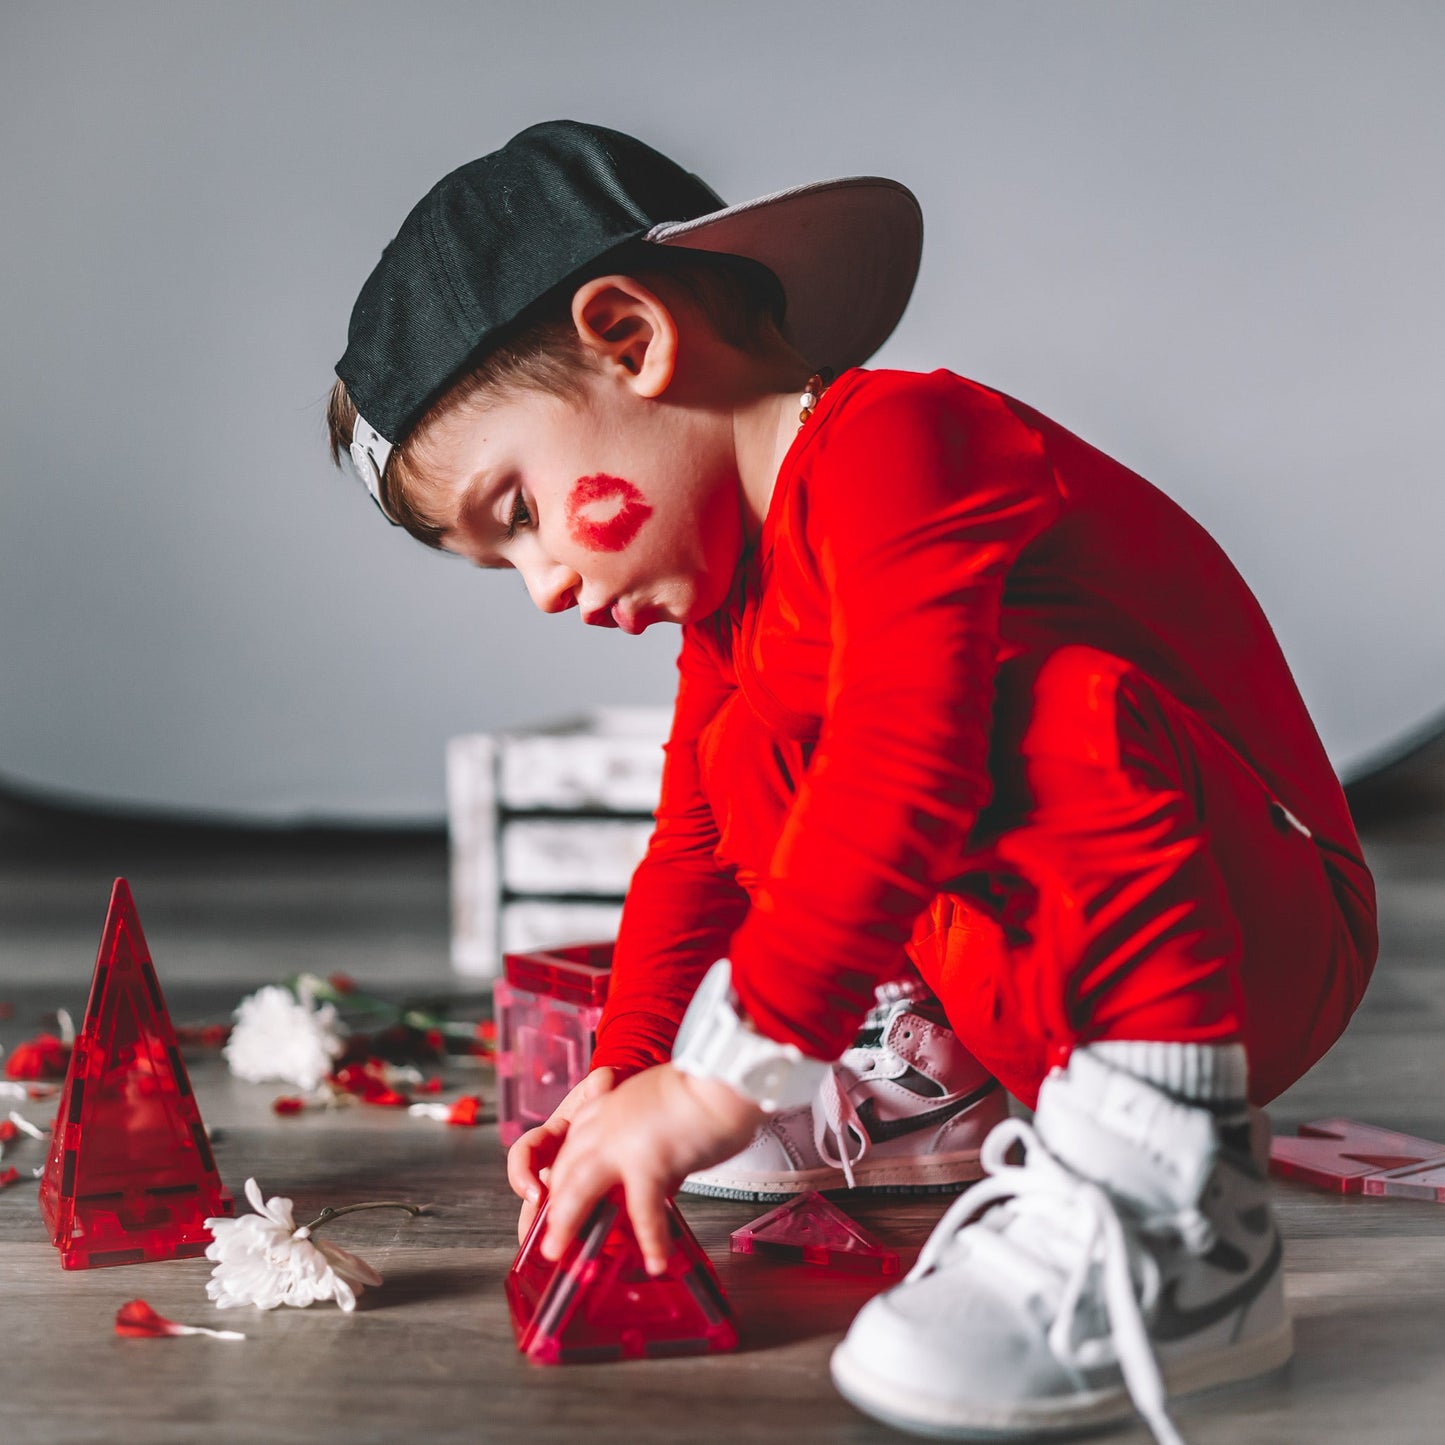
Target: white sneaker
(1134,1250)
(905,1110)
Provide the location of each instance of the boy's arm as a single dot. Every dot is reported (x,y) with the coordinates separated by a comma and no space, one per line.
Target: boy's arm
(928,496)
(682,906)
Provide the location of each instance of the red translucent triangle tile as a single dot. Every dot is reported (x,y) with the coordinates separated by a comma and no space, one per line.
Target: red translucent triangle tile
(1342,1154)
(813,1230)
(1425,1180)
(599,1303)
(130,1176)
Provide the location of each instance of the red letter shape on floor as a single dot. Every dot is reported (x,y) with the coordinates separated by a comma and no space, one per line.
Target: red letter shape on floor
(1341,1154)
(130,1175)
(599,1303)
(814,1231)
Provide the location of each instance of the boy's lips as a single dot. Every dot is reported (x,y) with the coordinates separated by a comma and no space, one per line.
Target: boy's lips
(627,621)
(613,614)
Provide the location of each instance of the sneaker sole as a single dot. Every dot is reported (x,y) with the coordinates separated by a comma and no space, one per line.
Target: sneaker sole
(905,1409)
(937,1174)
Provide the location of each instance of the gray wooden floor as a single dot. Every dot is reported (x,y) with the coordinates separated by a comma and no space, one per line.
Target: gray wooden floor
(430,1354)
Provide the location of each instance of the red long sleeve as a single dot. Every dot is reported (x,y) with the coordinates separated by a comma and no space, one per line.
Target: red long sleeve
(683,903)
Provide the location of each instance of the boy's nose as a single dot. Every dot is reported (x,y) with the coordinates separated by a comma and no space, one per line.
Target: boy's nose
(553,587)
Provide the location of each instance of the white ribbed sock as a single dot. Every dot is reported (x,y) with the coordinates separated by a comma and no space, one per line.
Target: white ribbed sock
(1202,1073)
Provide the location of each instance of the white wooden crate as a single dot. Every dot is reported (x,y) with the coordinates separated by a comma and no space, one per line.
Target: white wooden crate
(547,825)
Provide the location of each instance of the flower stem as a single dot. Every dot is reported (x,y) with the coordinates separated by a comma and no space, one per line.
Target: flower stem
(328,1214)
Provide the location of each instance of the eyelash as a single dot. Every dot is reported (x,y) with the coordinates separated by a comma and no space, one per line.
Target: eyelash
(519,517)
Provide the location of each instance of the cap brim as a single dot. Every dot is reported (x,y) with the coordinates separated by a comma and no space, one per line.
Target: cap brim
(847,253)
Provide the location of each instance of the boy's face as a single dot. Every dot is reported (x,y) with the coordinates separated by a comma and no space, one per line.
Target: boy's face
(622,505)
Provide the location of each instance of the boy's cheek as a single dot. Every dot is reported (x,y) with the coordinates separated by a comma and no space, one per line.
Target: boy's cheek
(606,513)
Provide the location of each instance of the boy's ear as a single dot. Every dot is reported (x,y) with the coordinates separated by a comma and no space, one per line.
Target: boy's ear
(629,327)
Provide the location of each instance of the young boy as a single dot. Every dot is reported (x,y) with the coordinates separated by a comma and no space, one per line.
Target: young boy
(986,769)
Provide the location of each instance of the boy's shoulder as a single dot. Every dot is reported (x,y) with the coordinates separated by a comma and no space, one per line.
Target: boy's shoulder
(933,417)
(896,397)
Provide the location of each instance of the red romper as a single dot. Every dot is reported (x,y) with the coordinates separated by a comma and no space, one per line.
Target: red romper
(985,700)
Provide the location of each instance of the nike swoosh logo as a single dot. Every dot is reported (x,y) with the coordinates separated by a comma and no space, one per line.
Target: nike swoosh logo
(881,1130)
(1173,1323)
(1228,1257)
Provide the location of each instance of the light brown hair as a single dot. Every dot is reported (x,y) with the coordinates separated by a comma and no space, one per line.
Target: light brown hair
(741,299)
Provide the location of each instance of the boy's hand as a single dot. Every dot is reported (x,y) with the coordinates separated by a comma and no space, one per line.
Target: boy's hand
(648,1134)
(529,1160)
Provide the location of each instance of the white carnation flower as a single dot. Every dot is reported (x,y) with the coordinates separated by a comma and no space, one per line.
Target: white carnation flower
(262,1259)
(280,1036)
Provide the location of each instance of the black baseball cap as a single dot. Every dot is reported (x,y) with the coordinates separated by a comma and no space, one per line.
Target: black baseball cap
(496,235)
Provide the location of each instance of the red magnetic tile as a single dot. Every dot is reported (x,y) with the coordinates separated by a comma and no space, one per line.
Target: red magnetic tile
(813,1230)
(1341,1154)
(1425,1180)
(599,1303)
(130,1176)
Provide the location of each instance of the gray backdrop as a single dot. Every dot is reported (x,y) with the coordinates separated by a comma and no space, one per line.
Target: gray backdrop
(1206,238)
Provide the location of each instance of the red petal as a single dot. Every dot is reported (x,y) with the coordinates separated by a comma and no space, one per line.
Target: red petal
(9,1177)
(43,1057)
(465,1111)
(342,982)
(136,1318)
(287,1104)
(432,1086)
(8,1131)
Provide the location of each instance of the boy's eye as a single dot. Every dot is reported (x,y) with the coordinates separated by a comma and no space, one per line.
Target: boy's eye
(520,517)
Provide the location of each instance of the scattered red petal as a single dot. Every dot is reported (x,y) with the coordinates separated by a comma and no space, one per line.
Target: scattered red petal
(431,1086)
(287,1104)
(9,1177)
(138,1320)
(43,1057)
(342,982)
(466,1111)
(368,1082)
(8,1131)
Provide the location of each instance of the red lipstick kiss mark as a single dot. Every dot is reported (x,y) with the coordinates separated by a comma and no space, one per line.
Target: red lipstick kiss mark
(605,513)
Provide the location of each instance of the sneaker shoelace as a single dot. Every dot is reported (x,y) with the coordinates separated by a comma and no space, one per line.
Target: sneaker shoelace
(835,1120)
(1061,1227)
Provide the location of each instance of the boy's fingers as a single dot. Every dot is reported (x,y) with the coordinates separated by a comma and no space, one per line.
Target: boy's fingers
(525,1218)
(573,1193)
(648,1213)
(532,1153)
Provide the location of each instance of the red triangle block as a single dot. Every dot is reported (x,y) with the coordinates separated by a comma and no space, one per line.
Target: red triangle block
(812,1230)
(599,1303)
(130,1176)
(1342,1154)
